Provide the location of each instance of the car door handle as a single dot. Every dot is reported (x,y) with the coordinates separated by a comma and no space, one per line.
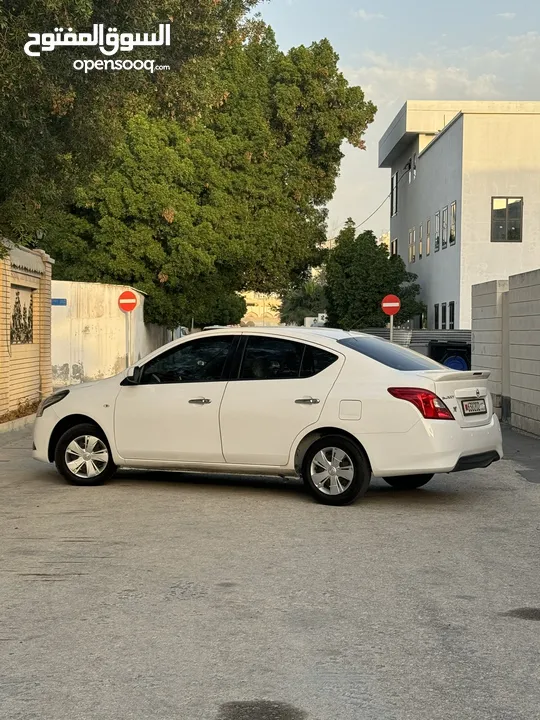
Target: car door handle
(200,401)
(307,401)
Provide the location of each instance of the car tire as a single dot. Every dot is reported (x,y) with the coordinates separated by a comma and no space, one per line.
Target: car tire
(348,476)
(408,482)
(83,456)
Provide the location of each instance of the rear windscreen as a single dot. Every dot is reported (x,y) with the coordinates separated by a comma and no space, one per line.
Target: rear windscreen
(387,353)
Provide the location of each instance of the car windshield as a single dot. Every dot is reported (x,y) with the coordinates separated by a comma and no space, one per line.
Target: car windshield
(394,356)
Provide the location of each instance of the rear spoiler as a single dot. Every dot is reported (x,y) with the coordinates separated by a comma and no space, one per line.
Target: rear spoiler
(453,376)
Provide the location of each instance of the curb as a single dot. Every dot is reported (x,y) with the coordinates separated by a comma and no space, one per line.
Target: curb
(17,424)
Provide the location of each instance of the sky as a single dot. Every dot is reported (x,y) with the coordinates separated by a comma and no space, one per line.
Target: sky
(463,50)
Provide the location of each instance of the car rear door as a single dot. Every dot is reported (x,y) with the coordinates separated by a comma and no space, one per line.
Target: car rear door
(279,389)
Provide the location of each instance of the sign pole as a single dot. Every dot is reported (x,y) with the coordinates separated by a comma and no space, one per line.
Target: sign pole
(128,339)
(391,328)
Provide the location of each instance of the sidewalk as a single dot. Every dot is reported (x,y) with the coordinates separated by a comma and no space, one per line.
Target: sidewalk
(524,450)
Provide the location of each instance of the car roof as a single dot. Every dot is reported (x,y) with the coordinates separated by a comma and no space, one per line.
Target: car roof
(317,334)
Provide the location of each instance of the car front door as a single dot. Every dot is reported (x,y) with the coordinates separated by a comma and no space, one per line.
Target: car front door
(172,415)
(279,390)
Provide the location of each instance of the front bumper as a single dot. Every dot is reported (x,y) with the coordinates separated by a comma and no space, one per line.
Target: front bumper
(43,428)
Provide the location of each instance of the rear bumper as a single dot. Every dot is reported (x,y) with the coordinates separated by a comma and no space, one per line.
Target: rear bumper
(434,446)
(479,460)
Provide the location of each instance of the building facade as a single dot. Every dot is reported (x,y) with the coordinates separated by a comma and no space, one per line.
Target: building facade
(465,198)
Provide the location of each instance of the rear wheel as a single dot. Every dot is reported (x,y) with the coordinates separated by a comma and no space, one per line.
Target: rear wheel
(408,482)
(83,456)
(336,471)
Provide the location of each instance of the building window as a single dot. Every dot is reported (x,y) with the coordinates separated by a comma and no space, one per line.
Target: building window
(420,242)
(428,236)
(414,166)
(436,323)
(394,195)
(412,244)
(451,315)
(410,170)
(445,227)
(506,219)
(437,231)
(453,223)
(393,248)
(443,318)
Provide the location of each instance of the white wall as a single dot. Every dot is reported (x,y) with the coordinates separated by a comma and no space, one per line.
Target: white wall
(501,158)
(437,185)
(89,332)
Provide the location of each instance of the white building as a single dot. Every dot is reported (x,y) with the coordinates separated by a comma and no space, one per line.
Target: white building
(465,200)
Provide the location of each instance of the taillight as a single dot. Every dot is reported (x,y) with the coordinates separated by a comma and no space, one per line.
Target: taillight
(431,406)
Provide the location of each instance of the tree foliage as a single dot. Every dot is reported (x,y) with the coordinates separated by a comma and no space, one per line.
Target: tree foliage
(306,300)
(359,274)
(56,121)
(193,212)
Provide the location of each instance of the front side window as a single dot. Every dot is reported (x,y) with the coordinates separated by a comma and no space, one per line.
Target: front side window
(428,236)
(436,317)
(445,227)
(443,320)
(437,231)
(451,315)
(394,195)
(193,362)
(267,358)
(394,356)
(506,219)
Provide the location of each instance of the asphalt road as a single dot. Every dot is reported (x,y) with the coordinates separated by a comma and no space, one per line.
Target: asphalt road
(182,597)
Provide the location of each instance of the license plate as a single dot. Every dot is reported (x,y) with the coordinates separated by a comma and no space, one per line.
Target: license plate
(474,407)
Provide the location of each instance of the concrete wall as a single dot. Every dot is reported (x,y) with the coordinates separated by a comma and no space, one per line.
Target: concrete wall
(487,335)
(89,332)
(437,185)
(25,364)
(501,157)
(506,341)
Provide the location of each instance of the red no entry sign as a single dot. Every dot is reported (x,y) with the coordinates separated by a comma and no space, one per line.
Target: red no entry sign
(391,305)
(127,302)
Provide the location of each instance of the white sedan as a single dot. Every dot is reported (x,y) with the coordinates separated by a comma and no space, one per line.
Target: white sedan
(330,406)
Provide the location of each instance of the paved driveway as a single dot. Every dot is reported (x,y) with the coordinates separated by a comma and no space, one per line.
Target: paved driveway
(161,597)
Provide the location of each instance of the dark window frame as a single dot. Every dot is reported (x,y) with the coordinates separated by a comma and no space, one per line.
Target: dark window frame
(452,237)
(428,236)
(507,198)
(436,317)
(443,316)
(394,194)
(420,241)
(451,315)
(444,228)
(394,247)
(437,231)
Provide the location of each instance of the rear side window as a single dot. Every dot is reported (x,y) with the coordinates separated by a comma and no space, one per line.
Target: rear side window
(268,358)
(391,355)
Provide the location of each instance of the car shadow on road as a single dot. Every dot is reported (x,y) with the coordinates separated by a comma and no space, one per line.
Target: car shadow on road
(378,492)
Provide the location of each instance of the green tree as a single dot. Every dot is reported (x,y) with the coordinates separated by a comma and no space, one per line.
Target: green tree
(359,274)
(307,300)
(55,122)
(193,213)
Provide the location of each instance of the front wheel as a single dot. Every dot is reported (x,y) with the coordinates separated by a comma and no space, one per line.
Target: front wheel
(83,456)
(408,482)
(336,471)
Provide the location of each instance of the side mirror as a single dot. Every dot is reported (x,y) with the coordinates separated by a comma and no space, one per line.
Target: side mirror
(133,376)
